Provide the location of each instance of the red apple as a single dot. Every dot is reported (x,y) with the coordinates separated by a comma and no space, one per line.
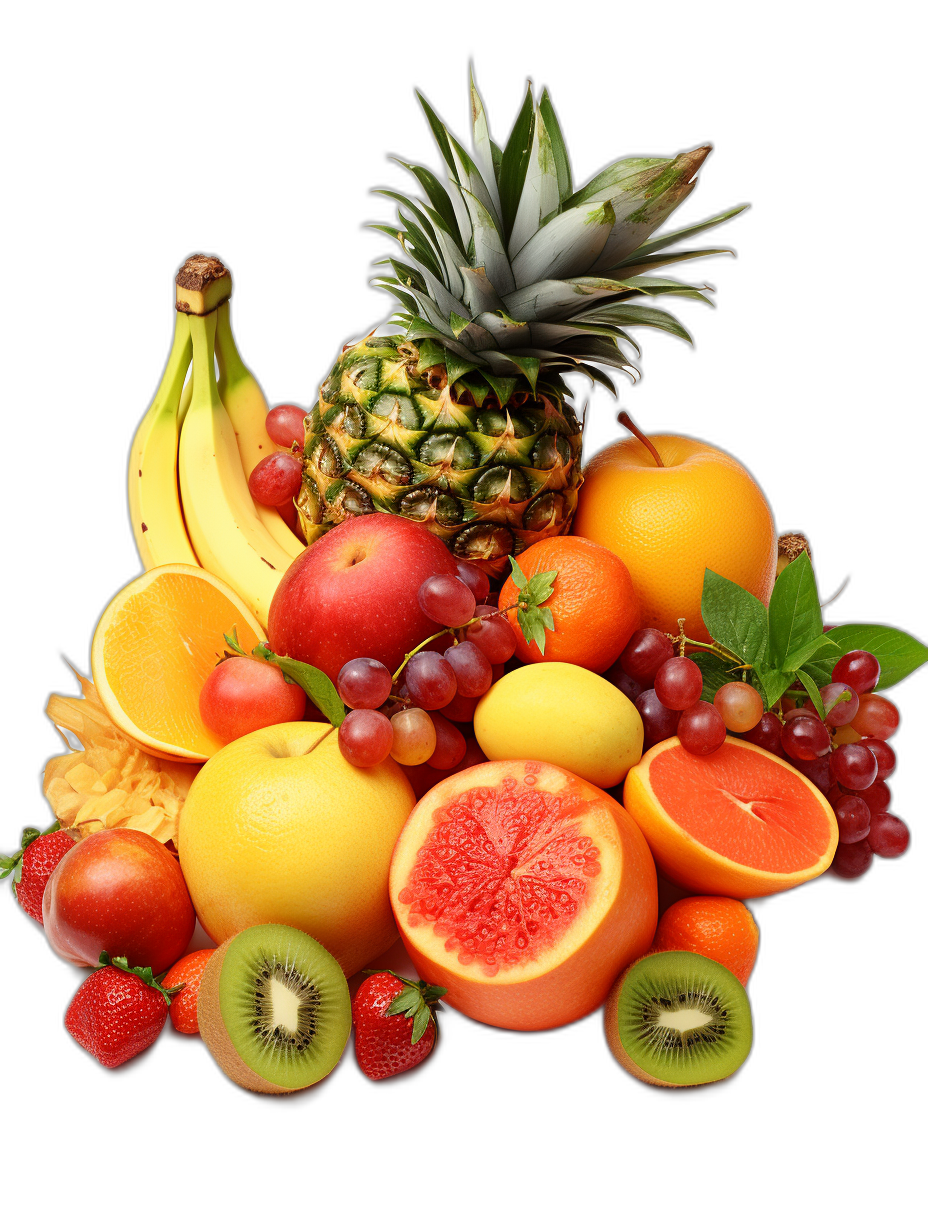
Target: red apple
(119,891)
(354,593)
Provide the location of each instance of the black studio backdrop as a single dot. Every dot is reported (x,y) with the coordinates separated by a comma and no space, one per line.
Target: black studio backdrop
(780,377)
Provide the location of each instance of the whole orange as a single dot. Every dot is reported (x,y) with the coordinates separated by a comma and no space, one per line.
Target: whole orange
(668,523)
(719,928)
(594,604)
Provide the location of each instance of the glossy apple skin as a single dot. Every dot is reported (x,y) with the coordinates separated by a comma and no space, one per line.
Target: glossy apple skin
(354,593)
(119,891)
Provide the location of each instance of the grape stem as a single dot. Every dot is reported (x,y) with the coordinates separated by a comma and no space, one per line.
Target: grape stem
(444,633)
(720,652)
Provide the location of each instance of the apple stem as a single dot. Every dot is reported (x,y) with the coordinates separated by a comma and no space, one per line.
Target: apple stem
(627,422)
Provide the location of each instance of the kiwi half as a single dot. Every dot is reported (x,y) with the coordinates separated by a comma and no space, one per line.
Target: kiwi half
(274,1009)
(677,1019)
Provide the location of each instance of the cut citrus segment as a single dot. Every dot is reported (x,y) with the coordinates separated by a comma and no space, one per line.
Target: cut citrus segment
(738,822)
(155,645)
(523,890)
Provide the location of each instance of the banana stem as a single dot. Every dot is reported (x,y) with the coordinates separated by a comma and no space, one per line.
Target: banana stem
(203,336)
(231,365)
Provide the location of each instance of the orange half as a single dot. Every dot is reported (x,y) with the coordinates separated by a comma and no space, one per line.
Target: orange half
(739,822)
(155,645)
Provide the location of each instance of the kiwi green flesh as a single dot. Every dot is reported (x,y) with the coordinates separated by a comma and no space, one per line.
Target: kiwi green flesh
(285,1005)
(683,1019)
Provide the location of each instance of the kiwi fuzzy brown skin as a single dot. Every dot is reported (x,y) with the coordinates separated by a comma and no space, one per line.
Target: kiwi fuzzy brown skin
(612,1030)
(216,1037)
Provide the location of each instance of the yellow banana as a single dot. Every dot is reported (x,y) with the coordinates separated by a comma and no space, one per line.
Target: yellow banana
(224,527)
(242,397)
(154,500)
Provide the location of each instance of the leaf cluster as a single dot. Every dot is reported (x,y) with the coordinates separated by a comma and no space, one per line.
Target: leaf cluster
(533,618)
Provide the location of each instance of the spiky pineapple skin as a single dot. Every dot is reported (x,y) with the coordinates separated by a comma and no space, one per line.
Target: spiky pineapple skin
(386,436)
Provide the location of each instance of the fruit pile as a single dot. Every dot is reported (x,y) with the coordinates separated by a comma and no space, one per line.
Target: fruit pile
(397,668)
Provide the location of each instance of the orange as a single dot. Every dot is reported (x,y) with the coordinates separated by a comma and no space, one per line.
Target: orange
(189,972)
(594,604)
(668,523)
(739,822)
(156,643)
(719,928)
(524,891)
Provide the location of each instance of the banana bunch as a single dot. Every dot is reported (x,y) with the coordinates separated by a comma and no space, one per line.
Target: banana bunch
(194,449)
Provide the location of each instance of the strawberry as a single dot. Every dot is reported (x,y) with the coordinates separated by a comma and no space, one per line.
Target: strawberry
(33,864)
(394,1023)
(118,1011)
(187,971)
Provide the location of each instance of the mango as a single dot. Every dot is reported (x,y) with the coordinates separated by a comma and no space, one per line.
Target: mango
(563,714)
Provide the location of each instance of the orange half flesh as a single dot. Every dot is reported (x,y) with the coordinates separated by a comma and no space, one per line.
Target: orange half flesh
(739,822)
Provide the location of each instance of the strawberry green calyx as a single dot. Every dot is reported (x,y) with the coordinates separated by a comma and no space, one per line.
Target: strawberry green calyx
(144,973)
(417,1001)
(14,863)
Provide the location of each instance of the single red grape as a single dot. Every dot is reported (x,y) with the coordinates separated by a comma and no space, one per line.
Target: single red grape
(701,729)
(659,722)
(678,683)
(805,738)
(646,650)
(472,669)
(624,683)
(876,716)
(285,425)
(876,797)
(767,734)
(414,737)
(460,709)
(885,757)
(740,705)
(365,737)
(855,766)
(839,713)
(430,679)
(852,859)
(853,819)
(493,634)
(276,479)
(818,771)
(447,600)
(450,745)
(364,684)
(474,578)
(859,669)
(889,835)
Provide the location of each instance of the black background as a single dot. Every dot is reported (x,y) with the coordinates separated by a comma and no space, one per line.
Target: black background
(784,376)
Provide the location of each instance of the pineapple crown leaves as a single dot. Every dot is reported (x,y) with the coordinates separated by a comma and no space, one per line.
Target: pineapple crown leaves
(507,269)
(533,592)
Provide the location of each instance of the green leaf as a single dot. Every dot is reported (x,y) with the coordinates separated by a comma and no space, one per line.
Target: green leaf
(804,653)
(735,618)
(456,367)
(532,624)
(899,653)
(715,673)
(431,353)
(420,1022)
(514,162)
(812,689)
(529,365)
(674,237)
(315,683)
(540,588)
(773,682)
(503,386)
(558,146)
(794,618)
(517,575)
(405,1002)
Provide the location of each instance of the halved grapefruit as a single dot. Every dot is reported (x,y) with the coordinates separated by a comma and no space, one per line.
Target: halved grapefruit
(524,891)
(739,822)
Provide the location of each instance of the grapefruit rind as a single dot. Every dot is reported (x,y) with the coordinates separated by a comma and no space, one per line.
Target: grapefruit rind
(614,923)
(115,701)
(695,866)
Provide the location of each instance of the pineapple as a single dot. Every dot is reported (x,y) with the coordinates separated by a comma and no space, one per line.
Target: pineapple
(509,279)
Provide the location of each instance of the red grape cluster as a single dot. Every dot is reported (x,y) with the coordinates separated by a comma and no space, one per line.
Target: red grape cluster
(276,480)
(416,720)
(847,758)
(667,690)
